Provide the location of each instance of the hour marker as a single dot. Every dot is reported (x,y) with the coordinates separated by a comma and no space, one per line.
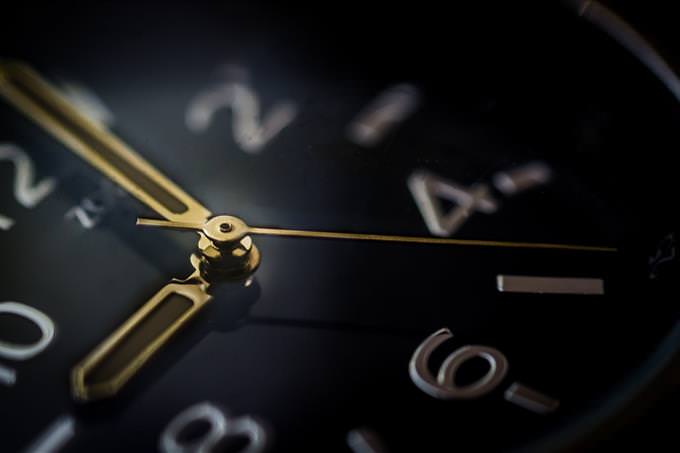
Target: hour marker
(363,440)
(426,188)
(388,109)
(665,254)
(530,399)
(5,222)
(522,178)
(55,437)
(88,103)
(549,285)
(252,130)
(7,376)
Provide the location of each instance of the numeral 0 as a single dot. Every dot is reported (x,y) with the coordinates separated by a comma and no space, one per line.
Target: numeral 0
(22,352)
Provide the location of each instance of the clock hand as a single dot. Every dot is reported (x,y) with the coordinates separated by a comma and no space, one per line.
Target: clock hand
(264,231)
(111,364)
(223,254)
(105,370)
(22,87)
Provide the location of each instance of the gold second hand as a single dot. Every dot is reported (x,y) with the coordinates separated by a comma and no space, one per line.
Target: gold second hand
(263,231)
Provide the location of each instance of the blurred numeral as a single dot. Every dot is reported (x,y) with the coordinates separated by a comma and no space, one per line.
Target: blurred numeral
(15,351)
(426,189)
(27,192)
(251,132)
(444,386)
(23,352)
(88,103)
(91,209)
(223,429)
(88,213)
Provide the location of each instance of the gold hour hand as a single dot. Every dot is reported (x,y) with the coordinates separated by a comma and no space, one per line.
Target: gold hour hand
(22,87)
(111,364)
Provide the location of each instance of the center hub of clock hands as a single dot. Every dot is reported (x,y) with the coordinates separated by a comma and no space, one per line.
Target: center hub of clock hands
(225,249)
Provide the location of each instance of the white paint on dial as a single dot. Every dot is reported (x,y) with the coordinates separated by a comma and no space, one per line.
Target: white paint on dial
(222,426)
(549,285)
(390,108)
(426,188)
(531,399)
(91,209)
(444,387)
(87,213)
(251,132)
(55,437)
(88,103)
(27,192)
(5,223)
(525,177)
(7,376)
(43,322)
(363,440)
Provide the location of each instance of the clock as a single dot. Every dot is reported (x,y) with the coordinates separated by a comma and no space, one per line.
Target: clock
(340,227)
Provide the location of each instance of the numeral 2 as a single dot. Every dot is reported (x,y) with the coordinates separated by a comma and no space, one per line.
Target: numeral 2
(251,131)
(27,192)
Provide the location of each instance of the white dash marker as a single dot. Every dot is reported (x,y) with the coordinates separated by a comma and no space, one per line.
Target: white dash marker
(364,440)
(383,114)
(7,376)
(531,399)
(522,178)
(55,436)
(549,285)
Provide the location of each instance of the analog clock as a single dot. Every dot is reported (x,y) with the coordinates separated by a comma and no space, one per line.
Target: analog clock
(242,227)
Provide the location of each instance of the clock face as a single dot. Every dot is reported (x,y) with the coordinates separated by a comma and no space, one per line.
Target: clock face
(463,228)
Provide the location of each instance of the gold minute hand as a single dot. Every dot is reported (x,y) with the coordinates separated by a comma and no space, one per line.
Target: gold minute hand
(22,87)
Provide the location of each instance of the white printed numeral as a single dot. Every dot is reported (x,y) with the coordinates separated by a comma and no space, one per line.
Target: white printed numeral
(23,352)
(88,103)
(444,386)
(27,192)
(15,351)
(222,427)
(251,132)
(426,188)
(93,208)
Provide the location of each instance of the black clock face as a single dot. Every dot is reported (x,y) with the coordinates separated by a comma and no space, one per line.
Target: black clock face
(500,126)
